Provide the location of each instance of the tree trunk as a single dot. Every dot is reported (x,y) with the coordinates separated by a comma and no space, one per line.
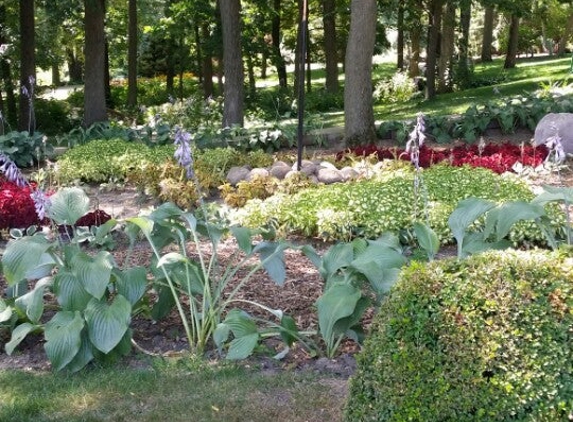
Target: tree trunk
(132,54)
(446,48)
(512,43)
(487,34)
(565,37)
(358,108)
(56,80)
(107,78)
(207,65)
(233,104)
(26,119)
(330,53)
(264,60)
(463,69)
(75,66)
(94,91)
(278,58)
(415,25)
(400,37)
(434,17)
(251,76)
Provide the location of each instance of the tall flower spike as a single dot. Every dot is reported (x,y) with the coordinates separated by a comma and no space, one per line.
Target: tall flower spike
(11,171)
(183,153)
(41,203)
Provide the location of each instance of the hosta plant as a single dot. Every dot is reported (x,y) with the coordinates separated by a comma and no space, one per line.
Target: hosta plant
(95,298)
(203,290)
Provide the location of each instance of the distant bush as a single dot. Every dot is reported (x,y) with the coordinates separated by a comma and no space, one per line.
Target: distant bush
(483,339)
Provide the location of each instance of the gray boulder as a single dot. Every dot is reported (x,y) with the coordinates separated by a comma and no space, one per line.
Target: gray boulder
(258,172)
(329,176)
(280,169)
(556,123)
(237,174)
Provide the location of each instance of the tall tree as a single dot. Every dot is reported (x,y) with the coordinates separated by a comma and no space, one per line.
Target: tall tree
(434,18)
(132,55)
(487,39)
(358,108)
(330,50)
(94,91)
(512,42)
(6,70)
(463,71)
(277,57)
(27,65)
(400,36)
(446,48)
(233,105)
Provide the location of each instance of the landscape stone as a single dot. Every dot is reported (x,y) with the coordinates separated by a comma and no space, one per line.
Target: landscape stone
(238,174)
(348,173)
(280,169)
(257,172)
(329,176)
(552,123)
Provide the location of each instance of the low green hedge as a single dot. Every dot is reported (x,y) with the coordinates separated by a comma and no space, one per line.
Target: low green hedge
(484,339)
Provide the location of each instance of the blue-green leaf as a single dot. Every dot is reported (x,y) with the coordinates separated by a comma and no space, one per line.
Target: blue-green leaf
(93,272)
(243,347)
(70,292)
(19,334)
(22,257)
(107,323)
(132,283)
(63,338)
(68,205)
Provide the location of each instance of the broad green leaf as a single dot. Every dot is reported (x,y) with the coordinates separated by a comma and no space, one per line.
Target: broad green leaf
(69,291)
(22,257)
(63,338)
(273,260)
(132,283)
(382,255)
(240,323)
(389,240)
(84,355)
(553,193)
(166,211)
(5,311)
(427,239)
(107,324)
(335,258)
(243,347)
(43,268)
(221,335)
(500,219)
(145,224)
(464,215)
(289,327)
(93,272)
(311,254)
(68,205)
(243,236)
(163,305)
(19,334)
(345,324)
(338,302)
(381,279)
(32,303)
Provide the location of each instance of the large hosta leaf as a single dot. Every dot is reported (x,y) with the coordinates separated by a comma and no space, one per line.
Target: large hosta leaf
(84,355)
(132,283)
(500,220)
(63,338)
(32,303)
(337,302)
(68,205)
(19,334)
(5,311)
(337,257)
(70,292)
(22,257)
(242,347)
(464,215)
(273,260)
(107,323)
(93,272)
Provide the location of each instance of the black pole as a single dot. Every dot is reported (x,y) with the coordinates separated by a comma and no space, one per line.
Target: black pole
(301,73)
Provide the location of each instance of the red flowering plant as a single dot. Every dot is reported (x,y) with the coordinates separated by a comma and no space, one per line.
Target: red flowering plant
(497,157)
(17,207)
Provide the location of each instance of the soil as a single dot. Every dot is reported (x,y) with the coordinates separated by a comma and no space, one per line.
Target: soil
(302,287)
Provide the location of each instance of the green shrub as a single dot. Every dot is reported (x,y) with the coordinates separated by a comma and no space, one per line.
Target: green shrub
(371,207)
(101,160)
(483,339)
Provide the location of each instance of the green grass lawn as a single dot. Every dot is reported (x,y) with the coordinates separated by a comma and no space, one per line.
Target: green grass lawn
(529,75)
(185,391)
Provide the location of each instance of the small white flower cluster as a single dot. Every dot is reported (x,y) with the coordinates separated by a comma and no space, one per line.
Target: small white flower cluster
(555,147)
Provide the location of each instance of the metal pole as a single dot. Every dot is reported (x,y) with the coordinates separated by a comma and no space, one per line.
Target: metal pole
(301,74)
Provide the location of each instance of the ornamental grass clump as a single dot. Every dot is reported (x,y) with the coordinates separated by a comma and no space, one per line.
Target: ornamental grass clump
(486,338)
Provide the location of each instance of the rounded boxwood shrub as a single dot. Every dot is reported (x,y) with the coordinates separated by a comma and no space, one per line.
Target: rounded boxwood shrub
(483,339)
